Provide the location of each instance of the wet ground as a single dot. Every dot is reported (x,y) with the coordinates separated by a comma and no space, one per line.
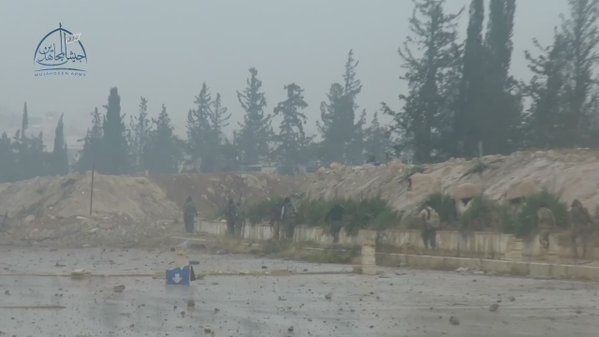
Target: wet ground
(399,302)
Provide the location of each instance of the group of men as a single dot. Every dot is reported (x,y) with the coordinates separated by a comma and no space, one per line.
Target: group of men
(580,221)
(581,227)
(231,213)
(282,219)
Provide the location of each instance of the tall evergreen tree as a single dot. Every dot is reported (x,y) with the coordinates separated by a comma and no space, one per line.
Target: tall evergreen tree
(500,123)
(255,134)
(60,159)
(376,140)
(198,125)
(340,134)
(291,139)
(471,106)
(218,118)
(139,133)
(92,146)
(334,127)
(162,153)
(563,88)
(115,151)
(546,90)
(582,38)
(432,81)
(24,121)
(355,148)
(9,170)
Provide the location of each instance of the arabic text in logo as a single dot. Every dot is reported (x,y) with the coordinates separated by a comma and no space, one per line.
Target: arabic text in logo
(60,52)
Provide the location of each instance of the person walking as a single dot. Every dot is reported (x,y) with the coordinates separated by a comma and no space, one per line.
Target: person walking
(189,214)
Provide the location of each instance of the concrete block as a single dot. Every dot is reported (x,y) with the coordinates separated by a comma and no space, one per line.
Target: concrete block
(540,270)
(367,237)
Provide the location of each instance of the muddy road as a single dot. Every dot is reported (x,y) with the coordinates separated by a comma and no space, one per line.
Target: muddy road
(400,302)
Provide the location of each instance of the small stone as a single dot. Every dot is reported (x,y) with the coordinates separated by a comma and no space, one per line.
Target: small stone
(191,303)
(493,307)
(454,320)
(290,329)
(512,298)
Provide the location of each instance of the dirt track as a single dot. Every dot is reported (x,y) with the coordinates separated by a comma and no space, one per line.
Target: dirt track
(398,303)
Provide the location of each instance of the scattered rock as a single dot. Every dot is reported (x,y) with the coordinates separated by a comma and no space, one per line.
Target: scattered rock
(328,296)
(512,298)
(119,288)
(191,303)
(290,329)
(493,307)
(454,320)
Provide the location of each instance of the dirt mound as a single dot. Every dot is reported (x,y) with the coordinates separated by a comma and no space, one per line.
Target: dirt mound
(210,192)
(570,174)
(143,210)
(126,210)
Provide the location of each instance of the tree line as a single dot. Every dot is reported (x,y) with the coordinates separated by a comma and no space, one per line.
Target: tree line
(146,144)
(461,101)
(25,156)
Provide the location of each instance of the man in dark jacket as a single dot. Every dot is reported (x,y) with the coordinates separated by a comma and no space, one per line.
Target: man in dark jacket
(189,214)
(582,228)
(231,216)
(335,219)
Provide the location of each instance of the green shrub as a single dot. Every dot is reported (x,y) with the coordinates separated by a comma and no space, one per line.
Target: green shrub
(444,205)
(313,212)
(482,213)
(262,211)
(367,213)
(527,216)
(508,216)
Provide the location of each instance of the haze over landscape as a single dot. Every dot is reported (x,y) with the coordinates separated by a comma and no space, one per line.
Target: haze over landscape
(164,52)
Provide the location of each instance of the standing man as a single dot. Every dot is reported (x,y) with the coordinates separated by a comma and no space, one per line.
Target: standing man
(581,226)
(430,223)
(231,216)
(189,214)
(335,219)
(287,218)
(239,219)
(545,224)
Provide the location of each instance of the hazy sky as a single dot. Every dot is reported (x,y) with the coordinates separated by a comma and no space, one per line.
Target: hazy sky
(164,50)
